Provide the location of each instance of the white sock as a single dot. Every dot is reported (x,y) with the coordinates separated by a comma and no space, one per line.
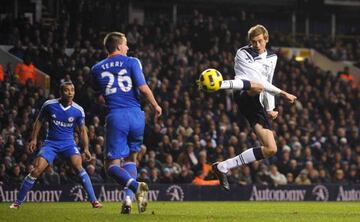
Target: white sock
(244,158)
(127,200)
(232,84)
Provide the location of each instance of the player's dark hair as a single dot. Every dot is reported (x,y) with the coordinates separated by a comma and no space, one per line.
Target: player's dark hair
(65,83)
(112,40)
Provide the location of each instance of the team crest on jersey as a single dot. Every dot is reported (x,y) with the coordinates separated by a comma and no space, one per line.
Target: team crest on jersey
(267,69)
(71,119)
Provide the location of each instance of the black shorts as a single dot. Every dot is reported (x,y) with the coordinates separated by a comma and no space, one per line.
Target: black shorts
(251,108)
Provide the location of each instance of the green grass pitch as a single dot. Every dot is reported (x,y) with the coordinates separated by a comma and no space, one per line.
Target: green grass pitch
(187,211)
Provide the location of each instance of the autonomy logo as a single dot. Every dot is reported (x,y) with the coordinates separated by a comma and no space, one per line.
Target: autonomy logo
(321,193)
(348,194)
(175,192)
(79,193)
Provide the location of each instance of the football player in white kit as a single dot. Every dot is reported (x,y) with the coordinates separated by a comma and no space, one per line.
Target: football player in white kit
(254,71)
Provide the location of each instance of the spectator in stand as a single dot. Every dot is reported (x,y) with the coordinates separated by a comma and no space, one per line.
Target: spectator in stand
(339,177)
(245,176)
(185,176)
(25,71)
(15,177)
(290,178)
(353,176)
(345,75)
(262,175)
(277,177)
(155,175)
(50,177)
(144,176)
(203,165)
(201,181)
(323,176)
(167,176)
(94,176)
(284,163)
(302,179)
(294,168)
(174,168)
(2,75)
(3,175)
(188,157)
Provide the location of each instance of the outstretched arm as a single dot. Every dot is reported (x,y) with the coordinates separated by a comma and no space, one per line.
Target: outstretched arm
(270,88)
(255,87)
(245,70)
(289,97)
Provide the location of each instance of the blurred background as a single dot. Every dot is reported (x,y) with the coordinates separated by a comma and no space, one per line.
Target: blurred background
(44,42)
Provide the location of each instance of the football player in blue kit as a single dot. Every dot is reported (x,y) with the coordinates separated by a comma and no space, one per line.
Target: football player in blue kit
(120,79)
(63,116)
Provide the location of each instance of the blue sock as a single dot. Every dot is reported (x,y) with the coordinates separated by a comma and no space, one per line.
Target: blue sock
(87,185)
(122,177)
(130,167)
(26,185)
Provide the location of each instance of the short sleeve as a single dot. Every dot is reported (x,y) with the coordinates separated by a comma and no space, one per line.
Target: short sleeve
(44,111)
(80,121)
(137,73)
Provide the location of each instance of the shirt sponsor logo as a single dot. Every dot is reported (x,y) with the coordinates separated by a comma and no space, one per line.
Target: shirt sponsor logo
(62,124)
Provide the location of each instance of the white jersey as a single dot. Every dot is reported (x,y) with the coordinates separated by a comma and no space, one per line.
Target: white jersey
(249,65)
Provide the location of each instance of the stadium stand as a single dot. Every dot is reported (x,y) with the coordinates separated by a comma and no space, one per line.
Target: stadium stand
(318,138)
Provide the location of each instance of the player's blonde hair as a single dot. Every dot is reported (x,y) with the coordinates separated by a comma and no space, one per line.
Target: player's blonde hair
(258,30)
(112,40)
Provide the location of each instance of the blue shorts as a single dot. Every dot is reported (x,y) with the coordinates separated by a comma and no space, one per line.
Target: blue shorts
(52,148)
(124,132)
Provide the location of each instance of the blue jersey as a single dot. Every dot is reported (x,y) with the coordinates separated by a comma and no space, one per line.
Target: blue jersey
(118,78)
(62,120)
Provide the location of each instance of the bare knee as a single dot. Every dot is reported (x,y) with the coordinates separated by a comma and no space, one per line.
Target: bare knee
(109,163)
(269,151)
(36,172)
(40,165)
(76,163)
(132,157)
(78,169)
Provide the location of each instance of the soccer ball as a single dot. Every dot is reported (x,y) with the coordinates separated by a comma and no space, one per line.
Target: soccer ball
(210,80)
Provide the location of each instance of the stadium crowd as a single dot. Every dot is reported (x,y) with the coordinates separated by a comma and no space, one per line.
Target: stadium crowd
(318,138)
(338,49)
